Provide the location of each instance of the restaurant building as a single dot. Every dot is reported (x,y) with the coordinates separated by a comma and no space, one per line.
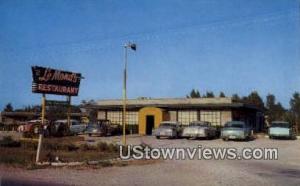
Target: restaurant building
(146,113)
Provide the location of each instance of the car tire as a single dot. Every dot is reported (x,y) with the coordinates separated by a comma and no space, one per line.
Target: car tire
(224,139)
(157,137)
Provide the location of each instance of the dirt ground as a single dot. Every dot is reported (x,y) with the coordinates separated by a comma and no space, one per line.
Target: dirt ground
(284,171)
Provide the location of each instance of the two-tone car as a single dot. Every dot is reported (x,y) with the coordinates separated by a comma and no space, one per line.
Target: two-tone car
(75,127)
(236,130)
(199,129)
(168,129)
(281,129)
(103,128)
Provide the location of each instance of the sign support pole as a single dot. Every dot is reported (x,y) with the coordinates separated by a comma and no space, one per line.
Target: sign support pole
(69,111)
(41,129)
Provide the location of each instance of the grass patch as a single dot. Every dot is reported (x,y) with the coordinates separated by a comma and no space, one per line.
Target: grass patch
(68,149)
(62,150)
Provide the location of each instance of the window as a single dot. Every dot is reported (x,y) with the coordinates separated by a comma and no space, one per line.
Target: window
(185,117)
(214,117)
(132,118)
(116,117)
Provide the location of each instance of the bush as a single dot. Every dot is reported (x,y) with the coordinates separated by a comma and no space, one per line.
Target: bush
(102,146)
(7,141)
(85,147)
(30,144)
(113,148)
(13,160)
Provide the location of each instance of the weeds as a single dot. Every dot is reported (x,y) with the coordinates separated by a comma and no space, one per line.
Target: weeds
(7,141)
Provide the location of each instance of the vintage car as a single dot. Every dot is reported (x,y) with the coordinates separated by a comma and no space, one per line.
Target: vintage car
(236,130)
(103,128)
(31,128)
(281,129)
(169,129)
(199,129)
(61,126)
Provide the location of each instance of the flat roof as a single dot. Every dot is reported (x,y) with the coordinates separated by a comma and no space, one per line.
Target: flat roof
(170,103)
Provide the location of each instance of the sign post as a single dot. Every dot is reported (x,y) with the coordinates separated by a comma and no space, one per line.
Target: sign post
(41,129)
(69,111)
(53,81)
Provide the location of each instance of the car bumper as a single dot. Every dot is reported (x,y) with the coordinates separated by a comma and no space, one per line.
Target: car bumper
(94,133)
(234,137)
(194,135)
(165,134)
(280,135)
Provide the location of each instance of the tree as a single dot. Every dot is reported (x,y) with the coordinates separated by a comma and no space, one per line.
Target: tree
(236,97)
(222,95)
(194,94)
(295,109)
(274,111)
(8,108)
(255,99)
(210,94)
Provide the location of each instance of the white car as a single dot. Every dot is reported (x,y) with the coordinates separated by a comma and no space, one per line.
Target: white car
(199,129)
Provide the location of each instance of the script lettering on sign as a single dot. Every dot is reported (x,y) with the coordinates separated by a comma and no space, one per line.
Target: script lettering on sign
(52,81)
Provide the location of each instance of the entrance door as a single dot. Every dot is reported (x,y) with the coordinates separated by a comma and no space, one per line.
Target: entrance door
(149,124)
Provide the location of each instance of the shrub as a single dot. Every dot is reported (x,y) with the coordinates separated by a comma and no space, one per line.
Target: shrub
(7,141)
(106,164)
(102,146)
(87,147)
(113,148)
(29,144)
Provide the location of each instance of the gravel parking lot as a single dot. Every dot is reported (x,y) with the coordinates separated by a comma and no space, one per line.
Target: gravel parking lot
(284,171)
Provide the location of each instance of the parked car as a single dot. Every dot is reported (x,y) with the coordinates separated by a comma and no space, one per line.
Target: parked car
(199,129)
(31,128)
(103,128)
(61,126)
(169,129)
(281,129)
(236,130)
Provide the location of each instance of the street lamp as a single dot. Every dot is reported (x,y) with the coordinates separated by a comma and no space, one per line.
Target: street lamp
(133,47)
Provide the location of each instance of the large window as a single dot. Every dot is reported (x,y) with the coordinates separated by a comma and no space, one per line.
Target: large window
(185,117)
(132,118)
(214,117)
(116,117)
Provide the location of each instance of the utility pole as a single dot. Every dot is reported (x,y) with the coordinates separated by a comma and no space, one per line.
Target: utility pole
(133,47)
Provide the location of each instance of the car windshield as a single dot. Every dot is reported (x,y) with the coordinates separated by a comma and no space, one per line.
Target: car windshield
(199,124)
(235,124)
(167,124)
(281,124)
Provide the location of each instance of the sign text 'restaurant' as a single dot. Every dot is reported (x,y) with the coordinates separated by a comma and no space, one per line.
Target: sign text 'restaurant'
(52,81)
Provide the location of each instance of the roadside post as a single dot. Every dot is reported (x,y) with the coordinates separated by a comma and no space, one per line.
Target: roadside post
(37,159)
(57,82)
(69,110)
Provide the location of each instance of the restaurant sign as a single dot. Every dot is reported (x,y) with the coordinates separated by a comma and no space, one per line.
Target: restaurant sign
(52,81)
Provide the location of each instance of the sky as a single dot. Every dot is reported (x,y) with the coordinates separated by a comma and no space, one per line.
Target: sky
(235,46)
